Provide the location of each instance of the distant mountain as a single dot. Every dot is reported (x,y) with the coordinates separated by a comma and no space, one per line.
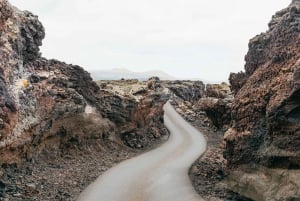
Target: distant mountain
(205,81)
(119,73)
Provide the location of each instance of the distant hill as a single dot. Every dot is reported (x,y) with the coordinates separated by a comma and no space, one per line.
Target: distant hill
(205,81)
(119,73)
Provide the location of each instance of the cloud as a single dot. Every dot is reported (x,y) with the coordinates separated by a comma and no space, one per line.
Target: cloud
(183,37)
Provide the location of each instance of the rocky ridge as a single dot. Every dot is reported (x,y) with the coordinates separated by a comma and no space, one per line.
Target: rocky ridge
(263,141)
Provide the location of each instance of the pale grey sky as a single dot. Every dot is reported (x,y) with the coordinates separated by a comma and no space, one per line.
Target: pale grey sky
(185,38)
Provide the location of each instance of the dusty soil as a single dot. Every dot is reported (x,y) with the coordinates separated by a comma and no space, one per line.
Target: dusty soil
(60,179)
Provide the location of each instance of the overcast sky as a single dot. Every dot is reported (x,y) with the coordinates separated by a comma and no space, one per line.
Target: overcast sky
(185,38)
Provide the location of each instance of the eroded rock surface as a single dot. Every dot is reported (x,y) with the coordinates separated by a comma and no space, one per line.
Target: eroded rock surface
(265,127)
(266,108)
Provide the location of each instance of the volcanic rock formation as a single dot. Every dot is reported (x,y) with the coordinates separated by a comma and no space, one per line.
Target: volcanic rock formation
(48,107)
(136,109)
(265,126)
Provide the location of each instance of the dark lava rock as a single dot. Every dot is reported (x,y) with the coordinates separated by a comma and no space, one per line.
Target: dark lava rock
(265,125)
(265,111)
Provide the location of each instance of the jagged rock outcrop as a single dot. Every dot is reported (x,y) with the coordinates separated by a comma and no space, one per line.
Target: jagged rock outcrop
(217,110)
(265,127)
(148,123)
(210,108)
(219,91)
(186,90)
(266,108)
(217,104)
(48,107)
(44,104)
(137,109)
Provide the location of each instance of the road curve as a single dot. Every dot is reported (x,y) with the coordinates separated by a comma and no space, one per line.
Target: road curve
(158,175)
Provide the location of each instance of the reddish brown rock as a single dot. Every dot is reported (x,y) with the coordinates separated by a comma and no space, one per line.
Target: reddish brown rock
(266,107)
(265,126)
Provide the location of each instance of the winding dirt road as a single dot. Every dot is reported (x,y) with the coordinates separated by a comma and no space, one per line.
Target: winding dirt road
(158,175)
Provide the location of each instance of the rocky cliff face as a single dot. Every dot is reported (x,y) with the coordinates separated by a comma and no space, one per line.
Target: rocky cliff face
(265,127)
(47,106)
(266,107)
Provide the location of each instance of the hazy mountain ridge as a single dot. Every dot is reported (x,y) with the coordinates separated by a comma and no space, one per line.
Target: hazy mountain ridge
(119,73)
